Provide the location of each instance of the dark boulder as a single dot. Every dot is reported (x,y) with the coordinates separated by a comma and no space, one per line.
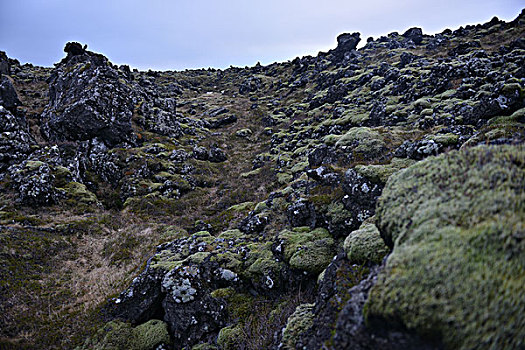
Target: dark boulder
(301,213)
(406,58)
(250,84)
(464,48)
(88,99)
(218,111)
(360,198)
(338,315)
(191,313)
(346,47)
(179,156)
(141,301)
(15,139)
(200,153)
(4,64)
(347,41)
(222,121)
(414,34)
(418,149)
(161,118)
(216,155)
(254,223)
(8,97)
(74,49)
(34,182)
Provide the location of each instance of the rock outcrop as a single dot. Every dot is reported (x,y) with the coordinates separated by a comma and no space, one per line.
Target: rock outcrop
(364,198)
(455,225)
(89,99)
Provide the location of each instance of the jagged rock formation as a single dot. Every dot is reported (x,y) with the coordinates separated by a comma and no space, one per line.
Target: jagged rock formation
(88,100)
(363,198)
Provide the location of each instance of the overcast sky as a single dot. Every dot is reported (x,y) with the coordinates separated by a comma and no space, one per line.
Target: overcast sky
(181,34)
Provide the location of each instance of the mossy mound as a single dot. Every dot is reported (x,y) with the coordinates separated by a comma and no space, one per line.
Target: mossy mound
(204,346)
(380,173)
(365,245)
(229,337)
(307,250)
(365,142)
(117,335)
(298,322)
(457,270)
(79,193)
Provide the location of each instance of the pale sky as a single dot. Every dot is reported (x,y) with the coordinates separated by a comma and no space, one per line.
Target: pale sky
(180,34)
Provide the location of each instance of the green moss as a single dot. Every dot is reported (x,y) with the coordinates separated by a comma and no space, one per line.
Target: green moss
(331,140)
(251,173)
(170,233)
(299,167)
(198,258)
(299,322)
(223,293)
(168,260)
(229,337)
(381,172)
(446,139)
(32,165)
(284,178)
(423,103)
(229,260)
(307,250)
(79,193)
(240,305)
(260,207)
(350,117)
(242,206)
(364,141)
(232,234)
(261,261)
(204,346)
(243,133)
(117,335)
(427,112)
(62,176)
(365,245)
(515,117)
(338,214)
(455,222)
(314,257)
(150,334)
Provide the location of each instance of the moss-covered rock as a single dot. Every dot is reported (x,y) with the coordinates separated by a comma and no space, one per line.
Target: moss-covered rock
(243,133)
(151,334)
(298,322)
(365,142)
(117,335)
(261,261)
(380,173)
(79,193)
(307,250)
(457,269)
(365,245)
(229,337)
(204,346)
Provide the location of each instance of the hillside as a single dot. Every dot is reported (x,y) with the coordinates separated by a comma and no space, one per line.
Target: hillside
(358,199)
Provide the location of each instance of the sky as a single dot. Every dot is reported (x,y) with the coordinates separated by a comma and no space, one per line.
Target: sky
(186,34)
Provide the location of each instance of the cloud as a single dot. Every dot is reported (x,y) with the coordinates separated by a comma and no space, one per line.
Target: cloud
(200,33)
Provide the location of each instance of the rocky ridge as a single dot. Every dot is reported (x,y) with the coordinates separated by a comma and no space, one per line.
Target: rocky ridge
(362,198)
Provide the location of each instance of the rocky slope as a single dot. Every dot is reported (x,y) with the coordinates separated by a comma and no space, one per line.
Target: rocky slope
(367,199)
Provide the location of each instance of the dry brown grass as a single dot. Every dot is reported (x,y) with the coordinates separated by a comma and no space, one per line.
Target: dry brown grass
(56,306)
